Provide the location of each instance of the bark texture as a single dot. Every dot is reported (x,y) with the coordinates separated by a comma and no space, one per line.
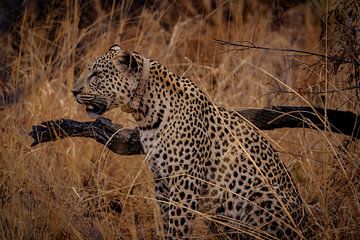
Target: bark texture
(127,141)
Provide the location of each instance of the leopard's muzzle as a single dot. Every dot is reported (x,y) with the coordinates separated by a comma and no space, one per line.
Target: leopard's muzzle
(95,106)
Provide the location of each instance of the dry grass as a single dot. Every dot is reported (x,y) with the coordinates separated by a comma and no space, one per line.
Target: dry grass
(45,191)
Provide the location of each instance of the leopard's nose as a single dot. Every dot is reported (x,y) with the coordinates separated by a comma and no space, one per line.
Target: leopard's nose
(75,92)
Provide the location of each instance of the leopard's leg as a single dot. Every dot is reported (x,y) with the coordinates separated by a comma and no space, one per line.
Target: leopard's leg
(162,198)
(181,207)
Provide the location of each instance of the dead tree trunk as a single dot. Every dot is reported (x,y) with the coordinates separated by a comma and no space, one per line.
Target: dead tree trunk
(127,141)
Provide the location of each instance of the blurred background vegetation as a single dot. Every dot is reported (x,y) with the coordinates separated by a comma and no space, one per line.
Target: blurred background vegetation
(72,189)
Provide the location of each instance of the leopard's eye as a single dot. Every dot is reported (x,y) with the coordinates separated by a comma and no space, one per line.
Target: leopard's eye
(94,80)
(93,76)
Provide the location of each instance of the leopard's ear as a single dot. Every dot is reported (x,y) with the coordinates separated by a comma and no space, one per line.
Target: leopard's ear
(125,60)
(115,47)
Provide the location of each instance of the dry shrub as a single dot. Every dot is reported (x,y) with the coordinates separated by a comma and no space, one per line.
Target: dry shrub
(63,189)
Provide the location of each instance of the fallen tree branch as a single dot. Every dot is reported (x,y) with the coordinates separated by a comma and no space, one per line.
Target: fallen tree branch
(127,141)
(343,122)
(119,140)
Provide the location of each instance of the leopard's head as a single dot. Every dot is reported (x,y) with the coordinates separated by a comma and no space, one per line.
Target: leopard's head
(109,81)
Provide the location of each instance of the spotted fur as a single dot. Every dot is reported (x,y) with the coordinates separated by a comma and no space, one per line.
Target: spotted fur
(205,160)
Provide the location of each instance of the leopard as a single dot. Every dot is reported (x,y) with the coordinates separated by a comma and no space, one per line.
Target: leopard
(207,162)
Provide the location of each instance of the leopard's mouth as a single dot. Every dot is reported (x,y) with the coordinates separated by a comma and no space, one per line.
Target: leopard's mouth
(94,106)
(95,109)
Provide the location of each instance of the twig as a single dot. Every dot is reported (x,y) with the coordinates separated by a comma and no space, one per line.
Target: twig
(245,45)
(319,92)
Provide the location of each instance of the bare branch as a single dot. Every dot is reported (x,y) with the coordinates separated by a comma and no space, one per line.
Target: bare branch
(122,141)
(245,45)
(317,92)
(127,141)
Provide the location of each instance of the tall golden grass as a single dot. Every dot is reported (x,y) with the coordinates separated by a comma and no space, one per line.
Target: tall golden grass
(61,190)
